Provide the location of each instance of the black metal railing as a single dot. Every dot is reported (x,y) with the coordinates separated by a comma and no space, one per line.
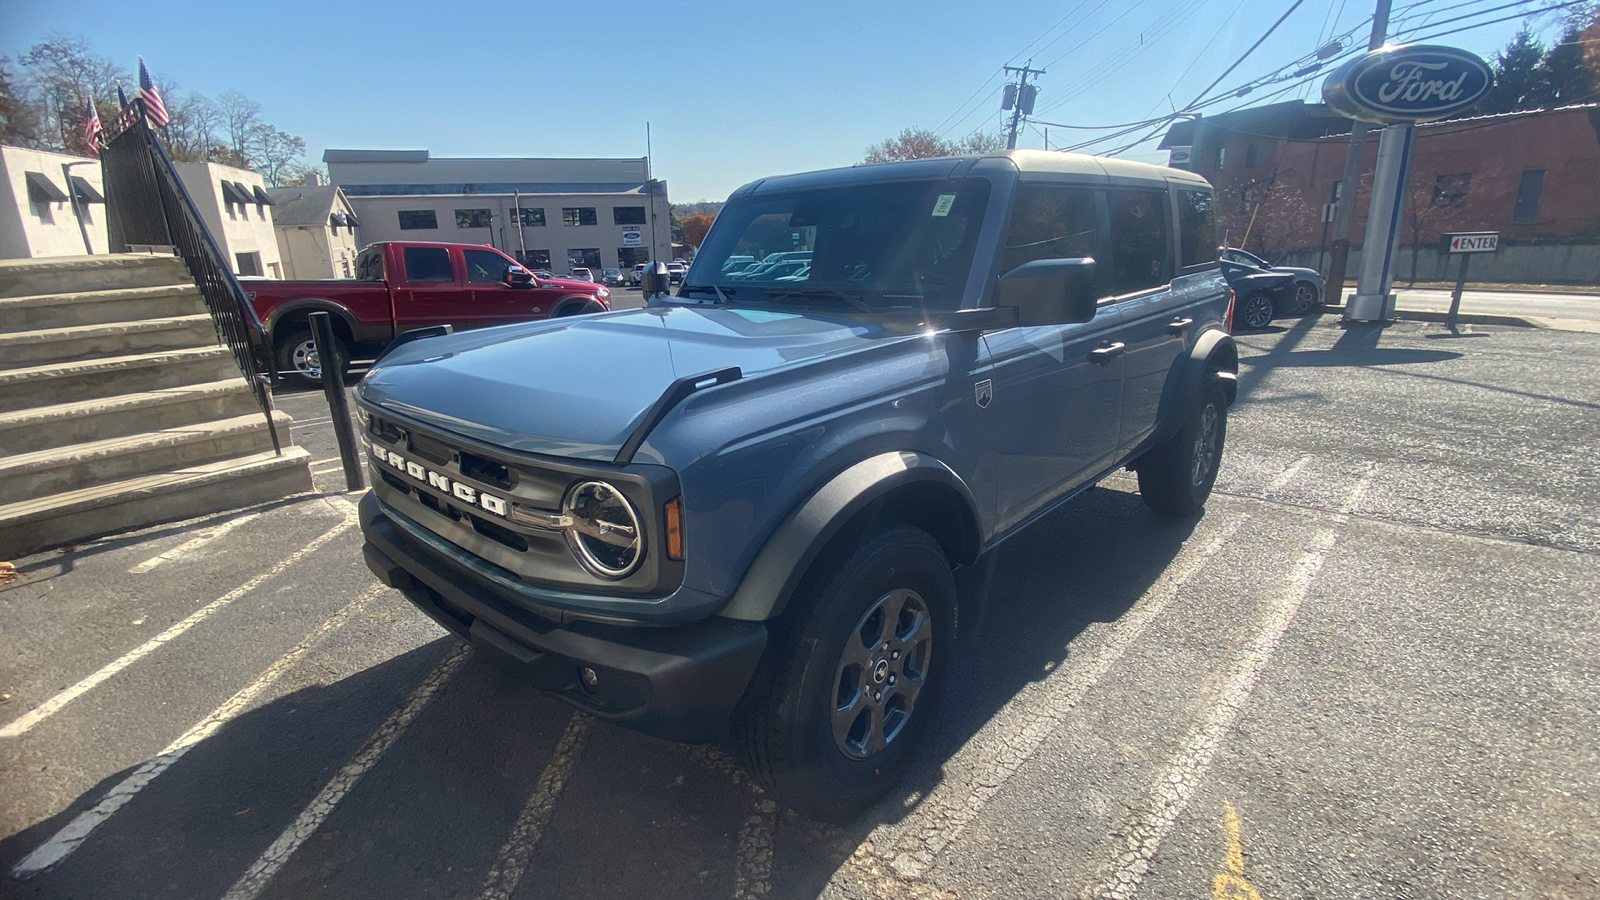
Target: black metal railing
(146,207)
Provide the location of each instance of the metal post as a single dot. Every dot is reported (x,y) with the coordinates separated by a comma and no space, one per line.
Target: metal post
(77,209)
(1455,298)
(1372,301)
(1349,187)
(338,405)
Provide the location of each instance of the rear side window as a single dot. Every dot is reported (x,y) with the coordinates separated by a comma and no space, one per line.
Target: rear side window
(428,264)
(1050,223)
(484,265)
(1197,228)
(1138,240)
(369,265)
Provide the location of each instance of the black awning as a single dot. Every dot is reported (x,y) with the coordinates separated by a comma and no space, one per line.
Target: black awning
(351,218)
(260,195)
(338,218)
(244,192)
(43,190)
(85,190)
(230,194)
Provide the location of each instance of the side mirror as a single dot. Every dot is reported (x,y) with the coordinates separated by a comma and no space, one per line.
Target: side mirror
(1050,291)
(654,280)
(517,276)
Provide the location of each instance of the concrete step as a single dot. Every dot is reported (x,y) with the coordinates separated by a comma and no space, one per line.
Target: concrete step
(20,349)
(57,470)
(63,310)
(67,274)
(27,430)
(33,525)
(70,382)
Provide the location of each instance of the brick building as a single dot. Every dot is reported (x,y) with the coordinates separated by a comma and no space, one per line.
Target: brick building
(1529,175)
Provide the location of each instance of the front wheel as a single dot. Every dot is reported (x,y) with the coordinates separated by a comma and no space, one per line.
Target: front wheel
(1306,297)
(297,356)
(1176,476)
(856,677)
(1255,311)
(576,306)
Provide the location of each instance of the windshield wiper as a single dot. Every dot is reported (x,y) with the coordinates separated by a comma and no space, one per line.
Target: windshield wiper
(854,301)
(722,295)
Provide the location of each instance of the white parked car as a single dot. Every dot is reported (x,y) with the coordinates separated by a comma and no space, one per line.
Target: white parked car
(581,274)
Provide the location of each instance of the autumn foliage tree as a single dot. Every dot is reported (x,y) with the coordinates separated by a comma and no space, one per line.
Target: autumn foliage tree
(695,228)
(920,143)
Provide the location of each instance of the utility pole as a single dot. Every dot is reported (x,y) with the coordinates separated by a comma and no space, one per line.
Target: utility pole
(1019,99)
(1349,187)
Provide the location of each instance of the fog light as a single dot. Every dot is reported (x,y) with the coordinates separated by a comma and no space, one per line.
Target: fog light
(590,678)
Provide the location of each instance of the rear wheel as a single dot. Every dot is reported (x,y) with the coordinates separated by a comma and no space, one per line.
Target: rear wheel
(1176,476)
(298,359)
(855,677)
(1255,311)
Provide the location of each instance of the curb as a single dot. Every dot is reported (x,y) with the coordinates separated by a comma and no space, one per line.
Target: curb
(1431,315)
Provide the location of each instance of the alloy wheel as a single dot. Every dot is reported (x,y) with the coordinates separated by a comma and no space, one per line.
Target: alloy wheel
(881,672)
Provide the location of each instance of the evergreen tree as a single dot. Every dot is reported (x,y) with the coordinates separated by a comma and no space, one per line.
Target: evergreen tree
(1568,78)
(1520,81)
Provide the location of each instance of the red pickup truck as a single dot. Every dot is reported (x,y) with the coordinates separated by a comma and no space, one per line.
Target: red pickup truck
(401,285)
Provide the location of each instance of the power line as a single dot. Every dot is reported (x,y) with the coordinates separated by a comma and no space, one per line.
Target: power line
(992,76)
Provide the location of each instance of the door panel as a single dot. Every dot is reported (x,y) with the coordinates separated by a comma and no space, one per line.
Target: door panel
(426,296)
(1154,329)
(492,301)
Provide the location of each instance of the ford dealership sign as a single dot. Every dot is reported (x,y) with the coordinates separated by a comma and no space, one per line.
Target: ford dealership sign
(1408,83)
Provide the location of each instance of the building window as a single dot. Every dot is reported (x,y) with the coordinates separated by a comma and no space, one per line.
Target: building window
(249,263)
(628,257)
(1249,156)
(1338,192)
(628,215)
(472,218)
(536,259)
(526,216)
(1451,190)
(579,215)
(1221,157)
(428,264)
(1528,191)
(587,257)
(418,219)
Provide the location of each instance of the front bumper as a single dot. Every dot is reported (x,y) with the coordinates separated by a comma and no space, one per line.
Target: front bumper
(679,683)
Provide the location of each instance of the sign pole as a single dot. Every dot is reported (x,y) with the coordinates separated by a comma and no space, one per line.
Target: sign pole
(1455,298)
(1372,301)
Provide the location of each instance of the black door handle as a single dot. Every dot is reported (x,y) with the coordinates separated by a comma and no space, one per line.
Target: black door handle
(1177,326)
(1103,355)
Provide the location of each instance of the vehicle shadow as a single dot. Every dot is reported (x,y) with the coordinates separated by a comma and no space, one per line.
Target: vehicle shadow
(637,817)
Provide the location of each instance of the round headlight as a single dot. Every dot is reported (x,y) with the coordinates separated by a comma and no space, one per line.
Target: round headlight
(605,533)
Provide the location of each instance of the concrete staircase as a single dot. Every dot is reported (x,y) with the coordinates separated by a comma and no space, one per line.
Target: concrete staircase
(118,406)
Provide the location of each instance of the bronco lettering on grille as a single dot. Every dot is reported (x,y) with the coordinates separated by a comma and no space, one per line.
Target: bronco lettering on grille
(440,482)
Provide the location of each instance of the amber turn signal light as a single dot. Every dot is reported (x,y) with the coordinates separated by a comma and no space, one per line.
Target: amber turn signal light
(674,513)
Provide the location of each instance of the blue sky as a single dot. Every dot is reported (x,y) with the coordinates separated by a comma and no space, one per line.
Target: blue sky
(733,91)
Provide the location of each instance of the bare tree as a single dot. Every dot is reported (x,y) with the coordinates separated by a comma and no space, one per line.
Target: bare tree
(62,73)
(241,116)
(192,131)
(274,153)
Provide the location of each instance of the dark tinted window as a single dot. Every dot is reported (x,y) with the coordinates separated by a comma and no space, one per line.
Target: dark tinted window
(1138,240)
(1451,190)
(472,218)
(369,265)
(249,263)
(1050,223)
(586,257)
(536,259)
(628,215)
(413,219)
(428,264)
(1528,191)
(528,216)
(484,265)
(1197,227)
(579,215)
(628,257)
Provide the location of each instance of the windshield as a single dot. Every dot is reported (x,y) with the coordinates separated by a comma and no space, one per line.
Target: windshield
(900,244)
(1234,254)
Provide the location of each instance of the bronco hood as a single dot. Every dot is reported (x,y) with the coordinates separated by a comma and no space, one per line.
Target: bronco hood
(577,387)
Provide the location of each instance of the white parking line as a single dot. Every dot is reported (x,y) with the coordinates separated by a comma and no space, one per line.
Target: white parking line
(54,704)
(752,873)
(311,818)
(1175,786)
(200,540)
(512,862)
(78,830)
(321,420)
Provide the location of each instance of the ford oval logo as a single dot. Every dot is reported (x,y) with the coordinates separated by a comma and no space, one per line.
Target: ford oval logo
(1408,83)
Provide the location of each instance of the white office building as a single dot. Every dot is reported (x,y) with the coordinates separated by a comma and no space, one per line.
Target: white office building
(550,213)
(38,215)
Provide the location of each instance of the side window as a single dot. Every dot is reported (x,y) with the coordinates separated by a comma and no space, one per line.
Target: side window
(1050,223)
(1138,240)
(1197,228)
(484,265)
(369,265)
(428,264)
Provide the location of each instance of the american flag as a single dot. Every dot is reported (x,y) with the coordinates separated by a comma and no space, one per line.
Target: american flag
(91,128)
(154,109)
(129,114)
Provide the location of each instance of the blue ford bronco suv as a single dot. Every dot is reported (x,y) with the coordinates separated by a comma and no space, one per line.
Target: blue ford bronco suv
(747,504)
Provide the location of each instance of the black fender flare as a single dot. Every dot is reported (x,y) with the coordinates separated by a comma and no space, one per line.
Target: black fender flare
(578,300)
(1214,351)
(299,309)
(771,580)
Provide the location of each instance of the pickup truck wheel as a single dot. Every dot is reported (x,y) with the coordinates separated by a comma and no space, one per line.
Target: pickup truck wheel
(297,356)
(1255,311)
(856,679)
(576,306)
(1176,476)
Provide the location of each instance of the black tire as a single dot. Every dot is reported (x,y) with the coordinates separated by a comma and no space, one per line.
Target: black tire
(1176,476)
(576,306)
(1255,311)
(823,760)
(297,356)
(1306,298)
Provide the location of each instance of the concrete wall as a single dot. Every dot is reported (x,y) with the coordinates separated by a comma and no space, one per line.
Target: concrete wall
(1566,263)
(30,230)
(238,229)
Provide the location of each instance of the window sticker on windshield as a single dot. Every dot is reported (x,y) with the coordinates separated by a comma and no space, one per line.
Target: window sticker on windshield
(942,208)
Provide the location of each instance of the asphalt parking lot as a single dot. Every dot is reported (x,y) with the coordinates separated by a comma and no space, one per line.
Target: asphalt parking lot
(1372,669)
